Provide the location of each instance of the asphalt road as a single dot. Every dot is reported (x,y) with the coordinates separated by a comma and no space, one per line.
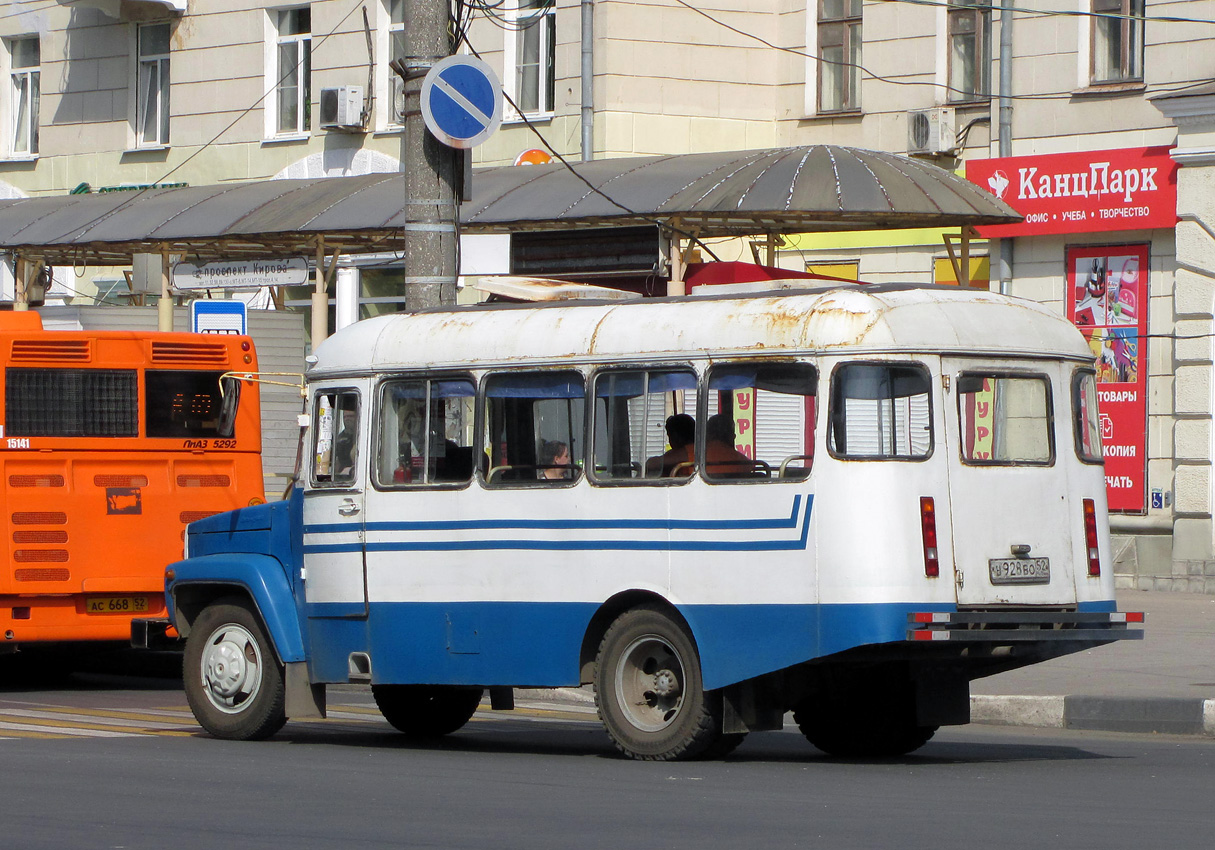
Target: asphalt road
(86,766)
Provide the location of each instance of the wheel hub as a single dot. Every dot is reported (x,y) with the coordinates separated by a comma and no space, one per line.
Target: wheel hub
(666,684)
(226,670)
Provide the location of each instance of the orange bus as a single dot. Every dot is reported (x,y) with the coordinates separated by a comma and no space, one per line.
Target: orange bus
(110,444)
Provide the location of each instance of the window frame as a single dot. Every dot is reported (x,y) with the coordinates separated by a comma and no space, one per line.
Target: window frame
(980,84)
(276,21)
(520,19)
(315,483)
(1078,377)
(377,434)
(1130,27)
(394,36)
(706,394)
(593,417)
(829,422)
(483,435)
(851,47)
(23,143)
(1004,374)
(161,63)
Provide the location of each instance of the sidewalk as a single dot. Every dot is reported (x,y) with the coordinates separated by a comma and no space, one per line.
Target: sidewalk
(1163,683)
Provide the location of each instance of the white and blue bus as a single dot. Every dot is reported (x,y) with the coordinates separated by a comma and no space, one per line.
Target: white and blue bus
(846,502)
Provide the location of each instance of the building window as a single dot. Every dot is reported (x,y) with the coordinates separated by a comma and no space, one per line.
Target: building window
(25,60)
(396,50)
(839,54)
(152,110)
(970,51)
(293,71)
(1117,41)
(531,44)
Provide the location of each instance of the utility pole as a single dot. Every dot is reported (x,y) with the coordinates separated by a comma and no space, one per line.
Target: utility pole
(431,168)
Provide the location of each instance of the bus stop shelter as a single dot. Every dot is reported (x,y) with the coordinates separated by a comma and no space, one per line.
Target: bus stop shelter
(688,197)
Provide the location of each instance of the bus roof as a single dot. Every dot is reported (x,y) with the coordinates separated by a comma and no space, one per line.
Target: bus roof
(833,317)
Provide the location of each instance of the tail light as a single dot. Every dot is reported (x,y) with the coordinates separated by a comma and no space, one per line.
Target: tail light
(928,529)
(1090,538)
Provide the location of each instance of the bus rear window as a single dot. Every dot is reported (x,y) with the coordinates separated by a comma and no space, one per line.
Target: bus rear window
(1087,418)
(71,403)
(880,411)
(182,403)
(1005,420)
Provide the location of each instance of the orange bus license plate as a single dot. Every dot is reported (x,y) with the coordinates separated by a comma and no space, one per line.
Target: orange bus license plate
(116,605)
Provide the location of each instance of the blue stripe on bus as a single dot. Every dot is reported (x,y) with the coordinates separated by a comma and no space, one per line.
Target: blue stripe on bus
(570,545)
(571,524)
(537,644)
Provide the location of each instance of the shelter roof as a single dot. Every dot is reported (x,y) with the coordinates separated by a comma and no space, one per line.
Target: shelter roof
(784,190)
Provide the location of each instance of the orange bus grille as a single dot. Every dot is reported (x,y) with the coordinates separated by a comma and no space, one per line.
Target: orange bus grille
(120,481)
(74,351)
(40,556)
(42,574)
(191,516)
(40,537)
(35,481)
(204,481)
(211,353)
(39,518)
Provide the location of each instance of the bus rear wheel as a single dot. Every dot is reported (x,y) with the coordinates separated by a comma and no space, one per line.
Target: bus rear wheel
(426,711)
(233,682)
(649,691)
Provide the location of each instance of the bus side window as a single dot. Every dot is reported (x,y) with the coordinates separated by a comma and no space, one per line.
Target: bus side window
(880,411)
(426,433)
(534,428)
(761,422)
(644,428)
(335,435)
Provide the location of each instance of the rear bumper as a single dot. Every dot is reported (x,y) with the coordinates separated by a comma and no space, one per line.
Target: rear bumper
(1020,627)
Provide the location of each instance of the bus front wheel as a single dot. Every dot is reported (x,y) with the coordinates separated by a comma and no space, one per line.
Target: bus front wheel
(233,681)
(426,711)
(649,692)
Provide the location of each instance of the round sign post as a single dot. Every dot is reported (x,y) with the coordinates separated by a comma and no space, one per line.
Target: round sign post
(461,101)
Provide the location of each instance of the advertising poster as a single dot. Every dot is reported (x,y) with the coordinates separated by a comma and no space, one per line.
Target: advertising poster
(1107,300)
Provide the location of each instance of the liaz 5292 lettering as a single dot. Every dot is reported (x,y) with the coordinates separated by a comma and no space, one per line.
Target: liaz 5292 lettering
(846,502)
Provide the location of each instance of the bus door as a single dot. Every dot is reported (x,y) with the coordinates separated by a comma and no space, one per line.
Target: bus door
(1012,518)
(335,582)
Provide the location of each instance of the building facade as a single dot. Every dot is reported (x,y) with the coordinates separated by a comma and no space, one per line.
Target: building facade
(104,94)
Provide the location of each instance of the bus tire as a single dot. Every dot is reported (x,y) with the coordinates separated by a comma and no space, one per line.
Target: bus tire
(233,681)
(860,731)
(649,691)
(423,712)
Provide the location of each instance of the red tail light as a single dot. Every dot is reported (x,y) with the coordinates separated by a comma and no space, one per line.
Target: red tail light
(1090,538)
(928,527)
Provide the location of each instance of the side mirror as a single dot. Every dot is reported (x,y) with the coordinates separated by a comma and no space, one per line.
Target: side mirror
(229,391)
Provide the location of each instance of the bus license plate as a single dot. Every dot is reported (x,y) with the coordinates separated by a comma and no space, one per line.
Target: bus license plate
(116,605)
(1019,570)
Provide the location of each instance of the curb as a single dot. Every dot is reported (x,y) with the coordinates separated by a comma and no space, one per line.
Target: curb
(1160,715)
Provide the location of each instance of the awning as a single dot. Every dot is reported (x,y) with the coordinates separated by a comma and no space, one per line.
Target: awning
(788,190)
(113,8)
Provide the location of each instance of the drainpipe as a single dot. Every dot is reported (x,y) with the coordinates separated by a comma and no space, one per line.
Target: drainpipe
(1006,245)
(588,78)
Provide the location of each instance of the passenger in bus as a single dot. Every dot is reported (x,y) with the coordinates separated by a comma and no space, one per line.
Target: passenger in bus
(721,457)
(554,460)
(679,461)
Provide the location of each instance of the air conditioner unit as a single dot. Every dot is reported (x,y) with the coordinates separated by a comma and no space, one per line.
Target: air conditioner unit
(931,131)
(342,108)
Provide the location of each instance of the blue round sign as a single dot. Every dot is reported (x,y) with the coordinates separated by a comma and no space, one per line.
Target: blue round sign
(461,101)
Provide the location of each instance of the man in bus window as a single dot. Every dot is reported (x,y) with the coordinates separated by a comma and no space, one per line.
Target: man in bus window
(680,459)
(721,457)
